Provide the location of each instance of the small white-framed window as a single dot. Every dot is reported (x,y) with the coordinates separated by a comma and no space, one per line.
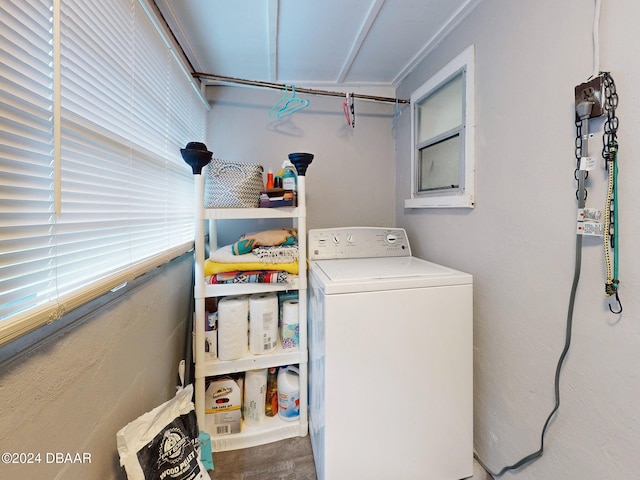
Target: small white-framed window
(442,137)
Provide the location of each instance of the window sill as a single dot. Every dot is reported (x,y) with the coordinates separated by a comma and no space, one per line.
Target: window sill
(441,201)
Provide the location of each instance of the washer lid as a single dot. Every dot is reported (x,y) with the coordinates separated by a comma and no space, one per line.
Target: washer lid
(390,273)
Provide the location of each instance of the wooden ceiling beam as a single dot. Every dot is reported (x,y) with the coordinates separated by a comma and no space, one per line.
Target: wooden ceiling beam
(272,28)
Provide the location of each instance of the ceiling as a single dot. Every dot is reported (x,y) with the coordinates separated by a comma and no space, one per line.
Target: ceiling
(312,42)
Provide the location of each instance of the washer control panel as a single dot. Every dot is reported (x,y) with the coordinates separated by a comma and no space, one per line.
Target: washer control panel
(357,242)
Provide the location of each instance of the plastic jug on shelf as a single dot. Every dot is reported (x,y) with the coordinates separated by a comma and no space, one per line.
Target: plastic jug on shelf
(289,393)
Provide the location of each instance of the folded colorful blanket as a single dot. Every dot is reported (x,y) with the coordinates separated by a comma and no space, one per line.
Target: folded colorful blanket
(280,253)
(256,276)
(266,238)
(225,255)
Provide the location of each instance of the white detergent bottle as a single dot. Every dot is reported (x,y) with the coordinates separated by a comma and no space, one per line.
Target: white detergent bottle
(289,393)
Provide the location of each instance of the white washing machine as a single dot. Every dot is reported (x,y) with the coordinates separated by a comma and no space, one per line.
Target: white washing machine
(390,359)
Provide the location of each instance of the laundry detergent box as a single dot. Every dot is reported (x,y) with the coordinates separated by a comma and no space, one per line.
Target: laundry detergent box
(223,405)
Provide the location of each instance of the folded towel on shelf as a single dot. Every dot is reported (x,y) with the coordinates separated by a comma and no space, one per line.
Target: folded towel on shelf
(255,276)
(260,255)
(280,253)
(265,238)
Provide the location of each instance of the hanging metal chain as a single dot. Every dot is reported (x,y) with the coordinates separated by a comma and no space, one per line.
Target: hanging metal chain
(610,136)
(609,140)
(610,155)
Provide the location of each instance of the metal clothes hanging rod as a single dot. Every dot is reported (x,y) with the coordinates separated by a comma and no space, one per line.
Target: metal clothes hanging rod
(281,86)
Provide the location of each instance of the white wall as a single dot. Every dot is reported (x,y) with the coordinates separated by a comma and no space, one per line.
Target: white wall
(351,180)
(72,394)
(519,241)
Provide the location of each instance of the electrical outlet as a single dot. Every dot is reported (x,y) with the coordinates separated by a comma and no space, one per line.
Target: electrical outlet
(592,91)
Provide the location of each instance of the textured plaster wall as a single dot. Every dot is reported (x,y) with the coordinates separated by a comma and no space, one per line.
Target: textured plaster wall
(72,394)
(519,241)
(351,180)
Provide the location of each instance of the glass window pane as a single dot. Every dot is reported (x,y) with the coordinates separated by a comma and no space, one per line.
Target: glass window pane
(441,111)
(439,165)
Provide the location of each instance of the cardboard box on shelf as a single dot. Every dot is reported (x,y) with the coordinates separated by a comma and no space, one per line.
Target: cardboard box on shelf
(223,406)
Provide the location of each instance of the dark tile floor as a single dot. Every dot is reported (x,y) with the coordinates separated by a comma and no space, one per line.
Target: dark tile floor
(289,459)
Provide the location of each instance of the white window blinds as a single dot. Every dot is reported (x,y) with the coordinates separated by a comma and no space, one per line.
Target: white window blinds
(127,106)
